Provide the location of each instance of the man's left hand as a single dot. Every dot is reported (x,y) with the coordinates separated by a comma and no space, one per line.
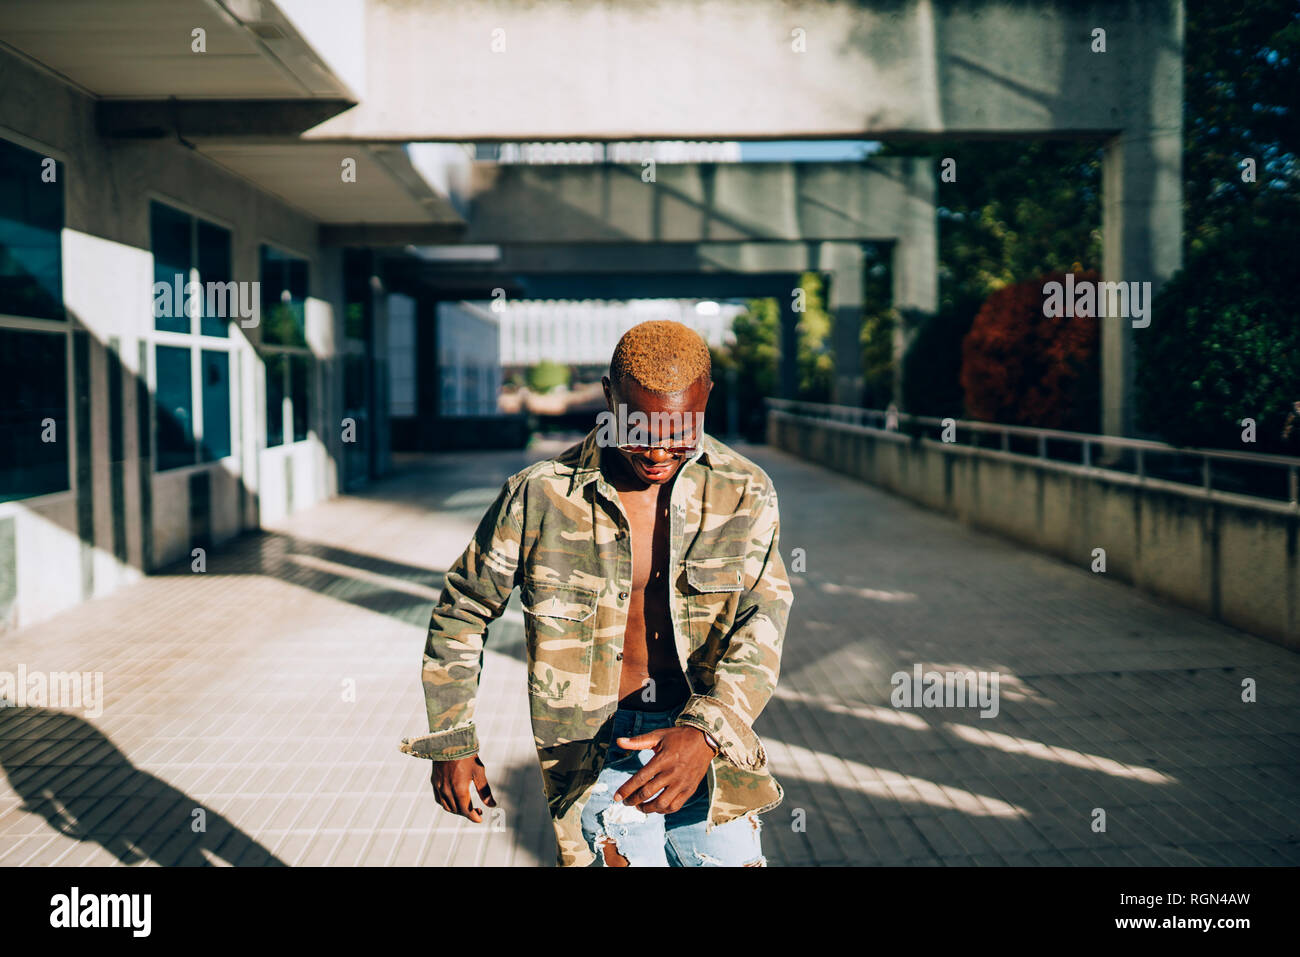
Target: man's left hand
(681,760)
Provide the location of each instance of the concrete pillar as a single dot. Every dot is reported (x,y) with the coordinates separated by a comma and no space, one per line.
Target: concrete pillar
(915,266)
(844,263)
(1142,227)
(331,284)
(381,447)
(1142,212)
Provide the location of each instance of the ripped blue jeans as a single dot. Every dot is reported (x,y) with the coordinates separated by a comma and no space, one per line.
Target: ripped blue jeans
(661,840)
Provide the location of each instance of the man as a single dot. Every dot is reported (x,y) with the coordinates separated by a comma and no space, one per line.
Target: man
(655,604)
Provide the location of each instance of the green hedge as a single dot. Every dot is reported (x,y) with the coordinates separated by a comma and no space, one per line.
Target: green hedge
(1224,339)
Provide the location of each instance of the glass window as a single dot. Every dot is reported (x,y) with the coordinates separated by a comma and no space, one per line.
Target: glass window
(284,323)
(174,405)
(169,238)
(356,294)
(220,302)
(216,404)
(34,422)
(182,246)
(300,393)
(402,399)
(288,374)
(31,218)
(354,385)
(448,378)
(186,248)
(275,391)
(354,321)
(296,273)
(284,298)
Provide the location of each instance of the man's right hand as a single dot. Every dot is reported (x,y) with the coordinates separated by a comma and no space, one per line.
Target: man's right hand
(451,786)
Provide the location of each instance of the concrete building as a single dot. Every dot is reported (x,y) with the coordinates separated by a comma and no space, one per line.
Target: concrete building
(146,419)
(135,431)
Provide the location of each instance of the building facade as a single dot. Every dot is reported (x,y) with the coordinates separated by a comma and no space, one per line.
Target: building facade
(174,345)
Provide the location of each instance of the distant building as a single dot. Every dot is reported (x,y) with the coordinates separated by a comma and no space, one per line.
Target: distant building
(402,344)
(661,151)
(585,333)
(469,359)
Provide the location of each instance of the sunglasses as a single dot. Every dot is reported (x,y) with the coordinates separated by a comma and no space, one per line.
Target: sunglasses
(678,451)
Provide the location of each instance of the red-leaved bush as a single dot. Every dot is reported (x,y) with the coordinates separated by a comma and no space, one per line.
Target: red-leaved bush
(1021,367)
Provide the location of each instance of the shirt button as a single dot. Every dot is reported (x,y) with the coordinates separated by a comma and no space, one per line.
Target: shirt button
(622,596)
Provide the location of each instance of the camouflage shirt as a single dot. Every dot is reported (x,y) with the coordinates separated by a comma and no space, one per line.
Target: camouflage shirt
(558,532)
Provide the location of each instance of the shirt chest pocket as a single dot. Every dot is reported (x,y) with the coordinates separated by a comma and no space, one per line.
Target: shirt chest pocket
(560,623)
(713,585)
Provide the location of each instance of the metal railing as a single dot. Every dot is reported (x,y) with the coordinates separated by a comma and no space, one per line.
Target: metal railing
(1243,473)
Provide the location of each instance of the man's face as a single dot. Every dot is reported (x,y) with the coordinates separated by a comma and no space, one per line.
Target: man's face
(656,465)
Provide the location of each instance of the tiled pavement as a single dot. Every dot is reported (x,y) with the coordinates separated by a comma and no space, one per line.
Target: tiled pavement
(265,699)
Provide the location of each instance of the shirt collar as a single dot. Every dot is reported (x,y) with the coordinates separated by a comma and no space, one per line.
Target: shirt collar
(587,469)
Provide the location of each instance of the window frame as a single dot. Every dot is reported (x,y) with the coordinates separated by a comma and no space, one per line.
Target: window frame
(268,349)
(62,327)
(197,343)
(61,157)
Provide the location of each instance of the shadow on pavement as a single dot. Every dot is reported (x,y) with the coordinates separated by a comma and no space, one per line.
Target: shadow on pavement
(71,774)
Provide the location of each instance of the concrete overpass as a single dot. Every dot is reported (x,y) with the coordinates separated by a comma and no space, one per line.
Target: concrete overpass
(322,81)
(754,70)
(773,220)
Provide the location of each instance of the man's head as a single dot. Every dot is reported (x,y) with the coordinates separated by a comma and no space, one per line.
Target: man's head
(662,370)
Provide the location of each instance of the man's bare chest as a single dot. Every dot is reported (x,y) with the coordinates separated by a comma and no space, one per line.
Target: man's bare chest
(649,526)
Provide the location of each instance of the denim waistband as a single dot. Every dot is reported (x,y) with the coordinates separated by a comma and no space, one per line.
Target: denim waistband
(629,722)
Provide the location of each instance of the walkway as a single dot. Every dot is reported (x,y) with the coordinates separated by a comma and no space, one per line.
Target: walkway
(251,713)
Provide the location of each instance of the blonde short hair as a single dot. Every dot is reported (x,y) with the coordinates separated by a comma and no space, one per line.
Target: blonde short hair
(661,356)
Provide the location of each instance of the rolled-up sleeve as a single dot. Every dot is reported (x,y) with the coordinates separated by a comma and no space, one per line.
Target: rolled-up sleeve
(475,592)
(747,672)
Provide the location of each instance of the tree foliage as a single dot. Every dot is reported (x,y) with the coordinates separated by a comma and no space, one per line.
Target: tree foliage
(1219,344)
(1015,211)
(816,361)
(751,359)
(1240,81)
(547,375)
(1024,368)
(1223,341)
(879,322)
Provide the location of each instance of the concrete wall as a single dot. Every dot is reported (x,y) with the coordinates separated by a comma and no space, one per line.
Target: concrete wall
(58,558)
(1228,557)
(752,69)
